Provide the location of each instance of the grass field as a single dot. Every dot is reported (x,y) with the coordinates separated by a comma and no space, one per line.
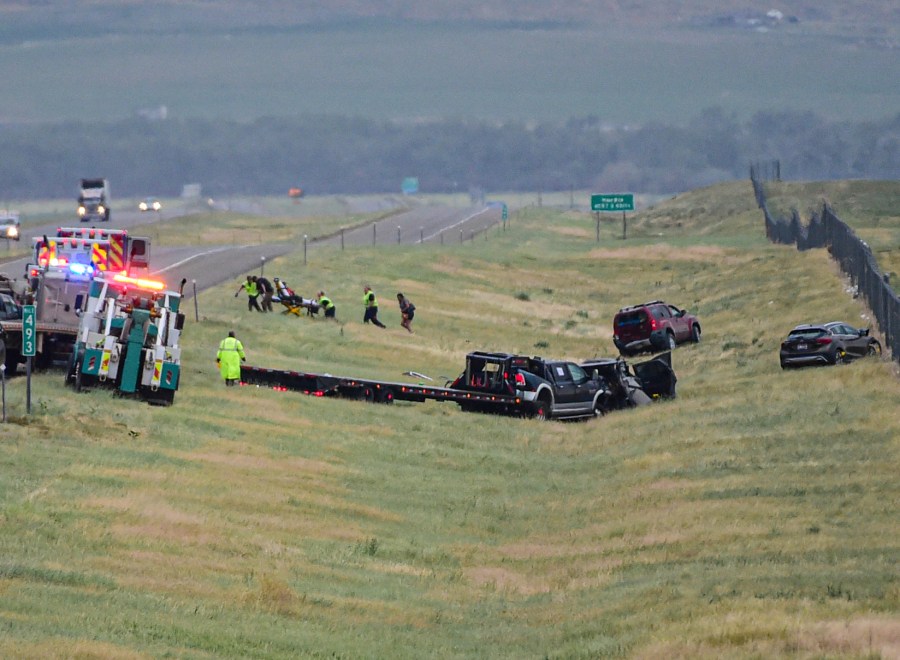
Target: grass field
(385,71)
(753,516)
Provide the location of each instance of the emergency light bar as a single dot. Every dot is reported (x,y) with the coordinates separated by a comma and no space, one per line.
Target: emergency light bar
(154,285)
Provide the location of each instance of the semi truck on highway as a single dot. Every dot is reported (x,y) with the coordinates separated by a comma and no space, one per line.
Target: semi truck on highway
(93,200)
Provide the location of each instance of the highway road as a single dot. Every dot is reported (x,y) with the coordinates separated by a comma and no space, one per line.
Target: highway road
(208,266)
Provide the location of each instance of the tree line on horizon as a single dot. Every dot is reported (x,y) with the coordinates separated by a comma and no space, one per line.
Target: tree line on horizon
(347,155)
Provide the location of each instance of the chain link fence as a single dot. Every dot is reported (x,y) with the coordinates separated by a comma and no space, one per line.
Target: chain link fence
(825,229)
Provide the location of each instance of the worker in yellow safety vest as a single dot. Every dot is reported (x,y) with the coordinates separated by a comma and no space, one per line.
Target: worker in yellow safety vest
(252,293)
(325,303)
(371,304)
(229,358)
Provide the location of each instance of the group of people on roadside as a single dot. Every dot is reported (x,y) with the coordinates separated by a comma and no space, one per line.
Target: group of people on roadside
(231,350)
(370,302)
(256,286)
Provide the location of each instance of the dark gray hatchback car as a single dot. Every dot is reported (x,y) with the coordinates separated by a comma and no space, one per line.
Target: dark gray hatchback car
(826,343)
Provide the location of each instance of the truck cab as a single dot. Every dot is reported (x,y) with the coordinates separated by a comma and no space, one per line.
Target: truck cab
(93,200)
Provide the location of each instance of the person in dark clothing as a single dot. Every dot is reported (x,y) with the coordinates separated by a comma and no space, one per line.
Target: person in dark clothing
(371,305)
(252,293)
(407,311)
(266,290)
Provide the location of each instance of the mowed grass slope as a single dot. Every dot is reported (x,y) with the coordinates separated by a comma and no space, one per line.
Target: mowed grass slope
(753,516)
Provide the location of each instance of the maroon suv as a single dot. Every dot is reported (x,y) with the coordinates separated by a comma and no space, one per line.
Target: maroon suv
(653,326)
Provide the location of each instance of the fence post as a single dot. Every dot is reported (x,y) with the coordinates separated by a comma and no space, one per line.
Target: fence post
(305,237)
(342,239)
(398,234)
(196,305)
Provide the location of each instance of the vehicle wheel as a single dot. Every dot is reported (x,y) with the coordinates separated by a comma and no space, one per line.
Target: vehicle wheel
(600,407)
(670,339)
(695,333)
(840,357)
(541,410)
(874,349)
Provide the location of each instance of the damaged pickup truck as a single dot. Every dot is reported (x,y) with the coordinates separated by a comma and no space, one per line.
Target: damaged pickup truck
(557,389)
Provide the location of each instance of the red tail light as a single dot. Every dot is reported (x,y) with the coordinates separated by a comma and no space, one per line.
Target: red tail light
(520,380)
(653,324)
(822,341)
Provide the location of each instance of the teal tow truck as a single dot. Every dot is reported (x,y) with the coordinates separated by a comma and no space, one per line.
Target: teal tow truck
(128,339)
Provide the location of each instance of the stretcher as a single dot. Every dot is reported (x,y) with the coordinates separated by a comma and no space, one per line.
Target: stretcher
(296,304)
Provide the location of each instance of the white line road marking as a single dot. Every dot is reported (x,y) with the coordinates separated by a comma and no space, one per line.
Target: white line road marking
(464,220)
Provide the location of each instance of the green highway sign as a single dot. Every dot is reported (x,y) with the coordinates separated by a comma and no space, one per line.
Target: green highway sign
(614,202)
(29,334)
(410,185)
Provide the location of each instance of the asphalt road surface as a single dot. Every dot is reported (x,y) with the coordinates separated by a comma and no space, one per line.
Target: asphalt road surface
(207,266)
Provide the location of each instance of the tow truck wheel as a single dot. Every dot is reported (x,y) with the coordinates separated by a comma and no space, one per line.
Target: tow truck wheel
(541,410)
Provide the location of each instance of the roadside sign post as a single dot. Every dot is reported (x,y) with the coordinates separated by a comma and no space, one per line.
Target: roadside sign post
(29,341)
(612,203)
(196,304)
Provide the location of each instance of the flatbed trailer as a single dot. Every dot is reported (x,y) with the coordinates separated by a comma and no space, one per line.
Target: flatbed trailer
(376,391)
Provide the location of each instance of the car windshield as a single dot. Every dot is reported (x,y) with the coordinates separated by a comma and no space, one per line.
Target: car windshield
(806,333)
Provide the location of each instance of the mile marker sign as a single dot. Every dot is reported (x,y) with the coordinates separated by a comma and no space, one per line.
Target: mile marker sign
(29,334)
(616,202)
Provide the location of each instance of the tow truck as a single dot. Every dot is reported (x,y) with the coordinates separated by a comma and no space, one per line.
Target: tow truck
(496,383)
(128,339)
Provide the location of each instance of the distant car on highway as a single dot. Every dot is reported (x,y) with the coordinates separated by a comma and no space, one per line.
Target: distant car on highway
(10,227)
(826,343)
(150,204)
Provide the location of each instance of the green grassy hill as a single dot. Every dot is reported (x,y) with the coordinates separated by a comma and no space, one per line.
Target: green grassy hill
(753,516)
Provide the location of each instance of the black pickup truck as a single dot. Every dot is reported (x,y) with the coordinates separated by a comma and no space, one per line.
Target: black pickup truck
(557,389)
